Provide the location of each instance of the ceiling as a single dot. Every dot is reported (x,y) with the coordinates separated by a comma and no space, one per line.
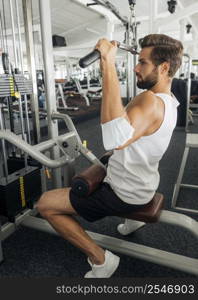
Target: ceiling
(82,26)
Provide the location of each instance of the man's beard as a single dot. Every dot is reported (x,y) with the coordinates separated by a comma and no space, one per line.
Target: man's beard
(149,81)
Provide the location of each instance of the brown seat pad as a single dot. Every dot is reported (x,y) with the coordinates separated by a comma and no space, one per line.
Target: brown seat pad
(150,213)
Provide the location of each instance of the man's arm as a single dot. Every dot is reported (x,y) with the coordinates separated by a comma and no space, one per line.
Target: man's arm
(144,116)
(121,126)
(112,106)
(145,113)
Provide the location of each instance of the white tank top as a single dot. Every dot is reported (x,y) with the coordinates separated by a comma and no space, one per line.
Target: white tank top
(133,171)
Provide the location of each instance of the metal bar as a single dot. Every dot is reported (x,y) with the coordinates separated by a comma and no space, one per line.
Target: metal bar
(128,68)
(68,172)
(90,156)
(11,118)
(8,228)
(60,91)
(22,70)
(194,105)
(27,13)
(179,179)
(68,123)
(83,150)
(44,145)
(184,209)
(192,186)
(13,34)
(19,35)
(4,152)
(27,119)
(10,110)
(2,34)
(188,89)
(192,140)
(46,32)
(134,77)
(5,29)
(183,221)
(50,143)
(32,150)
(164,258)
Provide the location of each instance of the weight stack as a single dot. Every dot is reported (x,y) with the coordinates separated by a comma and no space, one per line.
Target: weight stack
(19,191)
(16,163)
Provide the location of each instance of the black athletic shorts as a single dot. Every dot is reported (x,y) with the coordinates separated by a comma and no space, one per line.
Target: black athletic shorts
(101,203)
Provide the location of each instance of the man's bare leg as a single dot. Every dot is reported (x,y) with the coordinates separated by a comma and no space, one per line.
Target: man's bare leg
(55,206)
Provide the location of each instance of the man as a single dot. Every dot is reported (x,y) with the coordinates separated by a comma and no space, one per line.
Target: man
(139,135)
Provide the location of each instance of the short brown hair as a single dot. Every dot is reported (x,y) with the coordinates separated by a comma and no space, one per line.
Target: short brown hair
(165,49)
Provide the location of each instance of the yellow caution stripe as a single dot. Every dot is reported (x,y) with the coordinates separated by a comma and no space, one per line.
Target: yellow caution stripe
(12,92)
(47,173)
(85,143)
(17,95)
(22,191)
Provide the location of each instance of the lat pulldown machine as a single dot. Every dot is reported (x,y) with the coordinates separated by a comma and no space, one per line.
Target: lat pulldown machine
(70,146)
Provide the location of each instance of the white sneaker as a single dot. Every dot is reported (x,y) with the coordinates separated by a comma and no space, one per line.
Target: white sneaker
(129,226)
(105,270)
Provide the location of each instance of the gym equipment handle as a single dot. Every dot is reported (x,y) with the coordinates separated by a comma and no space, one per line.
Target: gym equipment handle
(95,55)
(89,59)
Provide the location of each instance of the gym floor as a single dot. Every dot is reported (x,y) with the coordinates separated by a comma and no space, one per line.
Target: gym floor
(30,253)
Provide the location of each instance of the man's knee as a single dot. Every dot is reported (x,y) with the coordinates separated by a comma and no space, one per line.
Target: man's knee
(42,203)
(55,201)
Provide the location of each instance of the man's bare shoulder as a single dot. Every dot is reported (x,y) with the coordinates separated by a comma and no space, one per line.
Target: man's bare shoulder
(146,99)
